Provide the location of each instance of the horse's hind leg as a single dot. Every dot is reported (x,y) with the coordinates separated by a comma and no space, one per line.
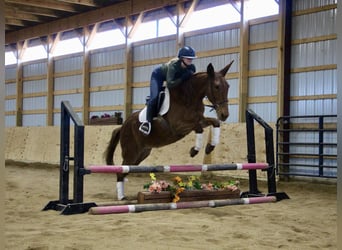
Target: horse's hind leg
(120,187)
(143,155)
(120,177)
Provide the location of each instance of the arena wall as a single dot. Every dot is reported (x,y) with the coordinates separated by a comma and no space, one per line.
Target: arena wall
(41,145)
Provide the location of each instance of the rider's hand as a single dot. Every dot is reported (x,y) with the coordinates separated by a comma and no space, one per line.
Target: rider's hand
(186,75)
(191,68)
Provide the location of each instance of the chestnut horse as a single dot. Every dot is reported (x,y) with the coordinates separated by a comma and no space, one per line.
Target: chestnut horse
(186,114)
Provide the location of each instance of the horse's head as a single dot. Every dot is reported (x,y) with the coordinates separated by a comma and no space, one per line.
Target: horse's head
(217,91)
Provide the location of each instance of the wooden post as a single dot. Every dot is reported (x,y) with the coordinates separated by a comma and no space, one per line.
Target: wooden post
(86,76)
(281,37)
(19,79)
(244,40)
(129,72)
(50,80)
(2,111)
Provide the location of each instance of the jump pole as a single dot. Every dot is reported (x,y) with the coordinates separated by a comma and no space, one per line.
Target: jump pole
(175,168)
(135,208)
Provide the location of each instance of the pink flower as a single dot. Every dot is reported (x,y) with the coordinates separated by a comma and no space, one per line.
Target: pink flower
(164,185)
(208,186)
(232,187)
(155,187)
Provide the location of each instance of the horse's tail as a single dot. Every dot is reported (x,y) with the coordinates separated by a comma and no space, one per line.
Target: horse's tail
(109,153)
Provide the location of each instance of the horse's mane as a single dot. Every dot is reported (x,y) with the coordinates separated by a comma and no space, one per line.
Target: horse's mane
(188,87)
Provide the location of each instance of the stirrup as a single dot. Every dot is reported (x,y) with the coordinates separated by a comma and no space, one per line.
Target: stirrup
(145,128)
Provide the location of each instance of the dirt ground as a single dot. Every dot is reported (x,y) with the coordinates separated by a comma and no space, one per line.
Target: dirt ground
(305,221)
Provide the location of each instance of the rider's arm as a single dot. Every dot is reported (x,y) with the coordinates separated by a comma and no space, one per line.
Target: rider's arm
(173,75)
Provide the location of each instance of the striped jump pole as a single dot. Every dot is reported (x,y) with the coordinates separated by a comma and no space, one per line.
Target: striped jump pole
(135,208)
(175,168)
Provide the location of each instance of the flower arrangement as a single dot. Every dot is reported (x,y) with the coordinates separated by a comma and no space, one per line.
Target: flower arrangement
(193,183)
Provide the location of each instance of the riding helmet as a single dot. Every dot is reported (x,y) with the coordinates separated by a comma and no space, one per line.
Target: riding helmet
(187,52)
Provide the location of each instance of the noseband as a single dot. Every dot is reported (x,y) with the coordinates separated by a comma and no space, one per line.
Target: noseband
(215,106)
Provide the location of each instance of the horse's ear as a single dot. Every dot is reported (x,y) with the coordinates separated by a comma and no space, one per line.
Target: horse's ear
(225,69)
(210,70)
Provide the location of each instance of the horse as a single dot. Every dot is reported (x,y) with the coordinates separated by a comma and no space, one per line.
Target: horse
(185,114)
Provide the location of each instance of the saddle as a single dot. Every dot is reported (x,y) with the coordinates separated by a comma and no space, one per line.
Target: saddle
(163,105)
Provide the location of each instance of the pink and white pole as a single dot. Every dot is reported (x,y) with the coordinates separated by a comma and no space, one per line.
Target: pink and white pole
(135,208)
(175,168)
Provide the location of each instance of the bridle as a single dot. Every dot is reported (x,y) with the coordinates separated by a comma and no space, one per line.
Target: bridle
(214,105)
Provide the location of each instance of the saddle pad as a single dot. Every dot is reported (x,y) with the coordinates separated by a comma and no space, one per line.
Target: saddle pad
(163,109)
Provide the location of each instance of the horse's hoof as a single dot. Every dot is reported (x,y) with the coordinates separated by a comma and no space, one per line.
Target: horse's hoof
(209,148)
(123,198)
(193,152)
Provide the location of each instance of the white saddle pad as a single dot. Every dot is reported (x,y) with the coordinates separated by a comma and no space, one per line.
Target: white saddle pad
(163,109)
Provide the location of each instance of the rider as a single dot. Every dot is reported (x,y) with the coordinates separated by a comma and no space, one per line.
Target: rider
(174,72)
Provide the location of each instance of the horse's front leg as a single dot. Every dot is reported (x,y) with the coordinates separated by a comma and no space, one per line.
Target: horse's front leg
(199,141)
(215,133)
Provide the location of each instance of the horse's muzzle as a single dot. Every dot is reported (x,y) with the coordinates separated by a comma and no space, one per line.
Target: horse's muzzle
(223,117)
(222,114)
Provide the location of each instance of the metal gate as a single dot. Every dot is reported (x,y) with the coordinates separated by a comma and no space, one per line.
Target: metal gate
(307,146)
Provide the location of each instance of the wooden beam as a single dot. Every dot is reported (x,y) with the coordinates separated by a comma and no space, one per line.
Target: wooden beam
(314,39)
(314,68)
(34,10)
(91,34)
(15,22)
(189,13)
(171,16)
(54,41)
(313,97)
(135,25)
(121,27)
(111,12)
(90,3)
(235,6)
(21,48)
(9,27)
(17,14)
(315,10)
(54,5)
